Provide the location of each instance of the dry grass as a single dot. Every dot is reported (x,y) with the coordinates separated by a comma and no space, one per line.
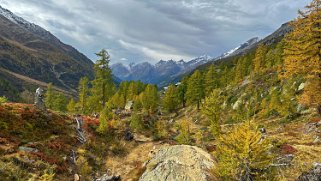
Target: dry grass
(295,135)
(131,167)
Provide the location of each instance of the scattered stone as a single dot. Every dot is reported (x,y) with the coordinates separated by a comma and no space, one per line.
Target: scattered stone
(128,135)
(76,177)
(301,86)
(319,123)
(39,99)
(245,82)
(284,160)
(237,104)
(96,115)
(129,106)
(300,108)
(317,140)
(179,163)
(73,157)
(312,175)
(28,149)
(263,130)
(108,178)
(311,127)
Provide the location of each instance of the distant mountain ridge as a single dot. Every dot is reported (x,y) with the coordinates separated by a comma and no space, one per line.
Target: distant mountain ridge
(165,72)
(32,51)
(158,73)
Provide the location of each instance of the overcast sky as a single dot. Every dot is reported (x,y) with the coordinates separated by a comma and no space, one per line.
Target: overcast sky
(150,30)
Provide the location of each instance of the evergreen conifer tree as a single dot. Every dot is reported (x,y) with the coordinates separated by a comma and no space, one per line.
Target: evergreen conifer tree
(49,97)
(212,109)
(149,98)
(182,88)
(170,100)
(83,92)
(259,60)
(195,89)
(211,79)
(105,116)
(71,107)
(102,86)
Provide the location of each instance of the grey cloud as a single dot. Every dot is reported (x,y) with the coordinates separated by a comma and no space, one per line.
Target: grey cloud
(149,30)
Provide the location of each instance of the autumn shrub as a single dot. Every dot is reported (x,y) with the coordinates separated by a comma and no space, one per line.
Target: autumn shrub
(184,136)
(199,137)
(3,100)
(105,116)
(47,176)
(84,169)
(161,130)
(136,122)
(242,154)
(9,170)
(118,149)
(3,125)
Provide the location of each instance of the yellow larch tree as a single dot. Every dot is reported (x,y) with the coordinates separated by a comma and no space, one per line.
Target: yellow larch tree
(243,154)
(259,58)
(303,53)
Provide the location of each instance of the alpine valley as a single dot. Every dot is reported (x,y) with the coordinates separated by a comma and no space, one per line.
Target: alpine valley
(248,114)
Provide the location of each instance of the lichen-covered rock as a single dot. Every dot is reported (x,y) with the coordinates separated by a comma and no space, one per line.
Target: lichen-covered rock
(179,163)
(313,175)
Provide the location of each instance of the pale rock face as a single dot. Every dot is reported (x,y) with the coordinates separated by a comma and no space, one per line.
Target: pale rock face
(301,86)
(237,104)
(179,163)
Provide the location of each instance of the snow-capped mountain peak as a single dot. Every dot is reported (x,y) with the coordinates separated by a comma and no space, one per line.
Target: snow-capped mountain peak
(230,52)
(16,19)
(31,27)
(238,49)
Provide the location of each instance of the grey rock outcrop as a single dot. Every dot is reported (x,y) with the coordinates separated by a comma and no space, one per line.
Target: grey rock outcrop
(179,163)
(313,175)
(39,99)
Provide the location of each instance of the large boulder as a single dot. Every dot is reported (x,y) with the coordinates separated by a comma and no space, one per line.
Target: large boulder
(179,163)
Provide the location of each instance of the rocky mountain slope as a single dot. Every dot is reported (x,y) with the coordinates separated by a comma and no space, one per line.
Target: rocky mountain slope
(29,50)
(273,38)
